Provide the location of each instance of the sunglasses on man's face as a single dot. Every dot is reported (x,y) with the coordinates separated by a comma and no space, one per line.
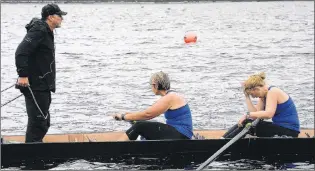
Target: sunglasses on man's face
(59,15)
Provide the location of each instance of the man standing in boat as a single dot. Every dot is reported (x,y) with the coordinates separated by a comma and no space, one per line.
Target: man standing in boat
(35,63)
(175,108)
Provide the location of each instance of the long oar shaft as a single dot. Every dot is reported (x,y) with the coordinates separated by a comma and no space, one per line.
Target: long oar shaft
(11,100)
(7,88)
(227,145)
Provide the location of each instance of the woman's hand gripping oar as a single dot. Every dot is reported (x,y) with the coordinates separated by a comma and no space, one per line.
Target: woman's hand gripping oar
(120,117)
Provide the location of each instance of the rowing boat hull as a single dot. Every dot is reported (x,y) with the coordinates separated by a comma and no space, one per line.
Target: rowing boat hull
(284,149)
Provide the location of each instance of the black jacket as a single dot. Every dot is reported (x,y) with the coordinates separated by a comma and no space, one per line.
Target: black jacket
(35,56)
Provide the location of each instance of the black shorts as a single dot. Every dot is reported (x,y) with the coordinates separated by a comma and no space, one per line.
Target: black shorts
(263,129)
(269,129)
(153,131)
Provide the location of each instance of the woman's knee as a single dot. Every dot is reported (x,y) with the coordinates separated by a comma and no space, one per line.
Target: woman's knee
(135,130)
(140,125)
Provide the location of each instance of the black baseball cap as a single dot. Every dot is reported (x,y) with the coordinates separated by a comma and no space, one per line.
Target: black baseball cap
(51,9)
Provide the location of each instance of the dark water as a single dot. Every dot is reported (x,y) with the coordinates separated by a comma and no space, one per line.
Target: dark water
(107,52)
(139,163)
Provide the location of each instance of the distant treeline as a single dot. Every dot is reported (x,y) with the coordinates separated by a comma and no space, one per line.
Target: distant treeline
(98,1)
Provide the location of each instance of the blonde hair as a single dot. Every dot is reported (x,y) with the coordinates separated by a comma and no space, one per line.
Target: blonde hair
(161,80)
(255,80)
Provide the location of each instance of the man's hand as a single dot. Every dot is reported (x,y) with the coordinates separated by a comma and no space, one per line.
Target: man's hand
(23,82)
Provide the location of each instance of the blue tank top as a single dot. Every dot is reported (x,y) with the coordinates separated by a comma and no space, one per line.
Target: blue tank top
(286,115)
(180,119)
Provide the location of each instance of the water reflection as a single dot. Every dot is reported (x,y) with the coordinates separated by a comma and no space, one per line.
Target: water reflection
(139,163)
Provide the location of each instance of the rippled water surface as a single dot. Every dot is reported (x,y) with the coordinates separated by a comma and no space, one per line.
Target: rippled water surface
(106,53)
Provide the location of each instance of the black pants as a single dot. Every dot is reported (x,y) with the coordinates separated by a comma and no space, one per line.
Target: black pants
(262,129)
(153,131)
(37,125)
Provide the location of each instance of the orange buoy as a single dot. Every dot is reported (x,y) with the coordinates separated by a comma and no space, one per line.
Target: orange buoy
(190,38)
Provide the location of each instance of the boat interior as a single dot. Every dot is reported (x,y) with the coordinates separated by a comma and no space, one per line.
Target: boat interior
(113,136)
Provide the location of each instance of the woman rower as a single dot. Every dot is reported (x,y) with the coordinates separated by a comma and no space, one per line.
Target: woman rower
(175,108)
(273,103)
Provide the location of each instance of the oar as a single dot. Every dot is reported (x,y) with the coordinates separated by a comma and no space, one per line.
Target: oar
(131,122)
(227,145)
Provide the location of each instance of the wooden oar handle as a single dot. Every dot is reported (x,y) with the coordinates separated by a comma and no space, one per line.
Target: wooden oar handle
(131,122)
(117,118)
